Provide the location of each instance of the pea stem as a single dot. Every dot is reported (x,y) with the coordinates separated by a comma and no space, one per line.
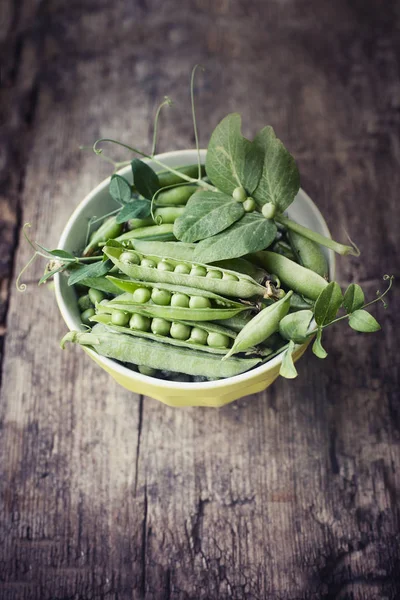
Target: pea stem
(158,162)
(318,238)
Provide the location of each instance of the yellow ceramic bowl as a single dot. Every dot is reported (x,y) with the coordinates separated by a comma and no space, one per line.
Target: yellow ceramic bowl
(213,393)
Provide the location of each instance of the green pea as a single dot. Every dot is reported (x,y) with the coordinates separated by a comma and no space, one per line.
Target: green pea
(239,194)
(217,340)
(160,326)
(198,271)
(164,265)
(147,262)
(179,331)
(96,296)
(269,210)
(129,258)
(85,316)
(149,371)
(180,300)
(214,274)
(230,277)
(120,317)
(161,297)
(140,322)
(107,231)
(249,205)
(84,302)
(198,336)
(183,269)
(141,295)
(199,302)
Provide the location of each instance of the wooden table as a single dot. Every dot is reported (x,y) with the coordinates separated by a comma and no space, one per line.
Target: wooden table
(290,494)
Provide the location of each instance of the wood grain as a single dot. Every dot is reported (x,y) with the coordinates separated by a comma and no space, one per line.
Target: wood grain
(291,494)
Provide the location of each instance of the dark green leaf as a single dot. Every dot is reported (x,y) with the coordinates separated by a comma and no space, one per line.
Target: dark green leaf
(328,304)
(251,234)
(361,320)
(62,254)
(97,269)
(295,326)
(288,370)
(137,209)
(353,298)
(233,161)
(120,189)
(206,214)
(317,346)
(145,179)
(280,179)
(49,274)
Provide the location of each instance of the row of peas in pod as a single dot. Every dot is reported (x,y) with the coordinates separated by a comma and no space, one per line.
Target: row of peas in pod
(158,310)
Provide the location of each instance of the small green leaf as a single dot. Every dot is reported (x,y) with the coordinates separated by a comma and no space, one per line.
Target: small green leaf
(49,274)
(206,214)
(120,189)
(353,298)
(295,326)
(251,234)
(145,179)
(232,160)
(137,209)
(328,304)
(288,370)
(280,179)
(317,346)
(361,320)
(62,254)
(97,269)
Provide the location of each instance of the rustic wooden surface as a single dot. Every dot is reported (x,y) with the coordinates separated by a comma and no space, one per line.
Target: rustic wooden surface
(290,494)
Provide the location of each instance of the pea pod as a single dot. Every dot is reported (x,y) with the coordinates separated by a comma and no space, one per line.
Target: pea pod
(309,253)
(109,230)
(156,355)
(261,327)
(175,196)
(153,232)
(166,178)
(195,275)
(297,278)
(175,250)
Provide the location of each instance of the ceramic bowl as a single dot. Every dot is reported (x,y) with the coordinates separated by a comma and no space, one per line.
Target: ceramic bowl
(213,393)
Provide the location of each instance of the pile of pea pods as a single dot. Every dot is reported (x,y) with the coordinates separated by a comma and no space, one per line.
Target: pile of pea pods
(163,314)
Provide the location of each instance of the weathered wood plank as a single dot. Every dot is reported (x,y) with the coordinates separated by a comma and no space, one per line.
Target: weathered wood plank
(290,494)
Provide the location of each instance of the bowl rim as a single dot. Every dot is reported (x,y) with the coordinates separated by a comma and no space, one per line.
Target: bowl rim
(113,365)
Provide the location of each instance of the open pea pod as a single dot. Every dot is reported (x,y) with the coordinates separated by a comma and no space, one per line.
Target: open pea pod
(139,351)
(226,335)
(186,273)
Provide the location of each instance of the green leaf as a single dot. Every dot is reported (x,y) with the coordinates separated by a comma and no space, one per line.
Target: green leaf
(280,179)
(97,269)
(232,160)
(139,208)
(317,346)
(49,274)
(145,179)
(295,326)
(120,189)
(361,320)
(328,303)
(288,370)
(206,214)
(251,234)
(353,298)
(62,254)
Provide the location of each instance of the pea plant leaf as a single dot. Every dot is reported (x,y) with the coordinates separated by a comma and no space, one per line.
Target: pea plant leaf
(251,234)
(328,304)
(136,209)
(120,189)
(280,179)
(97,269)
(362,320)
(353,298)
(317,347)
(62,254)
(295,326)
(232,160)
(206,214)
(145,179)
(288,370)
